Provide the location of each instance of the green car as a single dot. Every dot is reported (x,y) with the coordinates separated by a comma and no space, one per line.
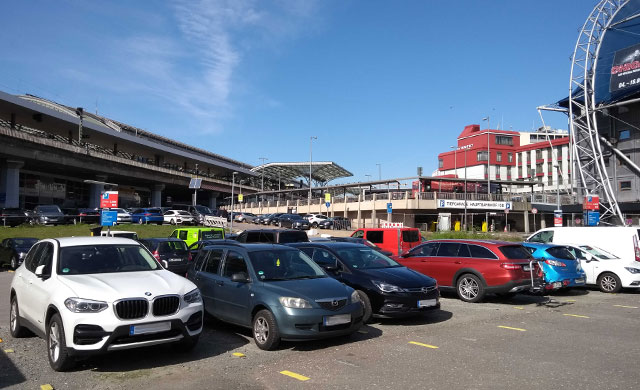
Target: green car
(191,235)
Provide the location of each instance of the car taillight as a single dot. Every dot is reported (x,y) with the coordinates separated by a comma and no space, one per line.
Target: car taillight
(566,282)
(555,263)
(82,214)
(636,248)
(510,266)
(147,214)
(156,255)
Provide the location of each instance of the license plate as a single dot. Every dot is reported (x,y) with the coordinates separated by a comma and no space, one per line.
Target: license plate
(149,328)
(527,268)
(173,260)
(337,319)
(427,302)
(557,284)
(579,281)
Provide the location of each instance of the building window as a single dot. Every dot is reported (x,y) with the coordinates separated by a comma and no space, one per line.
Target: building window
(510,157)
(624,134)
(499,156)
(539,168)
(549,180)
(620,162)
(485,170)
(519,170)
(625,185)
(504,140)
(440,163)
(538,154)
(483,155)
(559,153)
(549,168)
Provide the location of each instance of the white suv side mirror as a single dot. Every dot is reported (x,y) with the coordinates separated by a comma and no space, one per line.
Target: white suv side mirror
(40,271)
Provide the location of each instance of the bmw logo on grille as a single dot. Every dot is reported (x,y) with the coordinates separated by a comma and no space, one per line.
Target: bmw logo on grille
(334,303)
(147,294)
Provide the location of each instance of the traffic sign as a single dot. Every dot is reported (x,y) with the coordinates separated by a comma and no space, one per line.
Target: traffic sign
(109,200)
(534,210)
(327,197)
(389,206)
(240,198)
(327,204)
(506,211)
(108,218)
(195,184)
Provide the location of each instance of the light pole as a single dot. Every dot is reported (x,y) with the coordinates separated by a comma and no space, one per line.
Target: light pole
(465,188)
(455,160)
(263,159)
(233,182)
(310,163)
(488,154)
(379,171)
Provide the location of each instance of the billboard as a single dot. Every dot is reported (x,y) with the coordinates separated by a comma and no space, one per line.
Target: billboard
(625,70)
(109,199)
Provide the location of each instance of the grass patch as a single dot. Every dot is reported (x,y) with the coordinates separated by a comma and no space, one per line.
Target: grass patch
(144,231)
(474,236)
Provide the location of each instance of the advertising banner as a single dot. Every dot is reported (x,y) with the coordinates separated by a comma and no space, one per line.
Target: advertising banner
(591,202)
(625,70)
(474,204)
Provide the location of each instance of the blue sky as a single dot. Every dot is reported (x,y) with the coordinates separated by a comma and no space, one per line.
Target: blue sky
(376,81)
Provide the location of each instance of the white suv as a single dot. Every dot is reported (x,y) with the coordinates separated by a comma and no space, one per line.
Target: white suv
(88,295)
(315,219)
(607,271)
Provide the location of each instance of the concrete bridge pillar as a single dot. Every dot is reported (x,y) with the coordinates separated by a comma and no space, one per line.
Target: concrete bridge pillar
(10,182)
(156,195)
(213,200)
(526,221)
(95,191)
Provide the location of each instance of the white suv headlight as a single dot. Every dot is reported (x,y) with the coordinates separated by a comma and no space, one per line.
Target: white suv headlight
(192,296)
(81,305)
(633,270)
(295,303)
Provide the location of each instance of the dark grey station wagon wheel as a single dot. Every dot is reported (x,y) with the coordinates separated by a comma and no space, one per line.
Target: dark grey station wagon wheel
(265,330)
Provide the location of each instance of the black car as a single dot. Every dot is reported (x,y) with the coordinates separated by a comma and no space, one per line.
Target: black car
(386,288)
(48,215)
(13,217)
(82,215)
(194,248)
(335,223)
(14,250)
(360,240)
(293,221)
(273,236)
(172,253)
(271,219)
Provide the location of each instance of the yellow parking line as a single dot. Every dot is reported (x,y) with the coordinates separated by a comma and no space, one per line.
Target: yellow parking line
(238,354)
(571,300)
(8,350)
(46,387)
(11,271)
(294,375)
(518,307)
(423,345)
(575,315)
(626,307)
(508,327)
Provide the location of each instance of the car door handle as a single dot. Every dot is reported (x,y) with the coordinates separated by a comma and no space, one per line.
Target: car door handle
(219,282)
(423,261)
(457,262)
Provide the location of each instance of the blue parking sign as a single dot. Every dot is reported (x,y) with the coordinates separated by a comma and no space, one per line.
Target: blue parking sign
(389,205)
(108,218)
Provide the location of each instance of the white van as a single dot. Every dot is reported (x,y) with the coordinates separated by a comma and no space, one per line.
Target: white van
(621,241)
(120,233)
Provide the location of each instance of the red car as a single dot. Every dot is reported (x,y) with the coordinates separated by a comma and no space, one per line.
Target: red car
(474,267)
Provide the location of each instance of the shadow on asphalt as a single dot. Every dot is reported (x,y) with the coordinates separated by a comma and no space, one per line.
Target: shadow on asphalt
(367,332)
(9,373)
(214,340)
(426,318)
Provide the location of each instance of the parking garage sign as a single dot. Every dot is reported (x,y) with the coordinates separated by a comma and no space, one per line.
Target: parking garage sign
(474,204)
(109,200)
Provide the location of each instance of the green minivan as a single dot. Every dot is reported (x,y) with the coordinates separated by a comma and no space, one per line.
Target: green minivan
(191,235)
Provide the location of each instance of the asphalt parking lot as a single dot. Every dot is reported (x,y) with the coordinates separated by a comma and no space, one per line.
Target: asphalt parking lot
(579,339)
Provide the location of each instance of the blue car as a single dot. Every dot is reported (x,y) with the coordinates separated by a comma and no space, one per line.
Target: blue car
(147,215)
(560,267)
(276,291)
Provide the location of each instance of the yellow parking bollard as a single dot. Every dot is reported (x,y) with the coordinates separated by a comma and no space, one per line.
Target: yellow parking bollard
(457,226)
(484,226)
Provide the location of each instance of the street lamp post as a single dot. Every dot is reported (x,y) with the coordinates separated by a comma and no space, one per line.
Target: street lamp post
(233,182)
(465,188)
(310,164)
(488,154)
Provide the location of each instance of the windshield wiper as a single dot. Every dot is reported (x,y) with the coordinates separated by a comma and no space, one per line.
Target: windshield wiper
(308,277)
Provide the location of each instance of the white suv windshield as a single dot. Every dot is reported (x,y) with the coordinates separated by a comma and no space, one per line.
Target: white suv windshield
(98,259)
